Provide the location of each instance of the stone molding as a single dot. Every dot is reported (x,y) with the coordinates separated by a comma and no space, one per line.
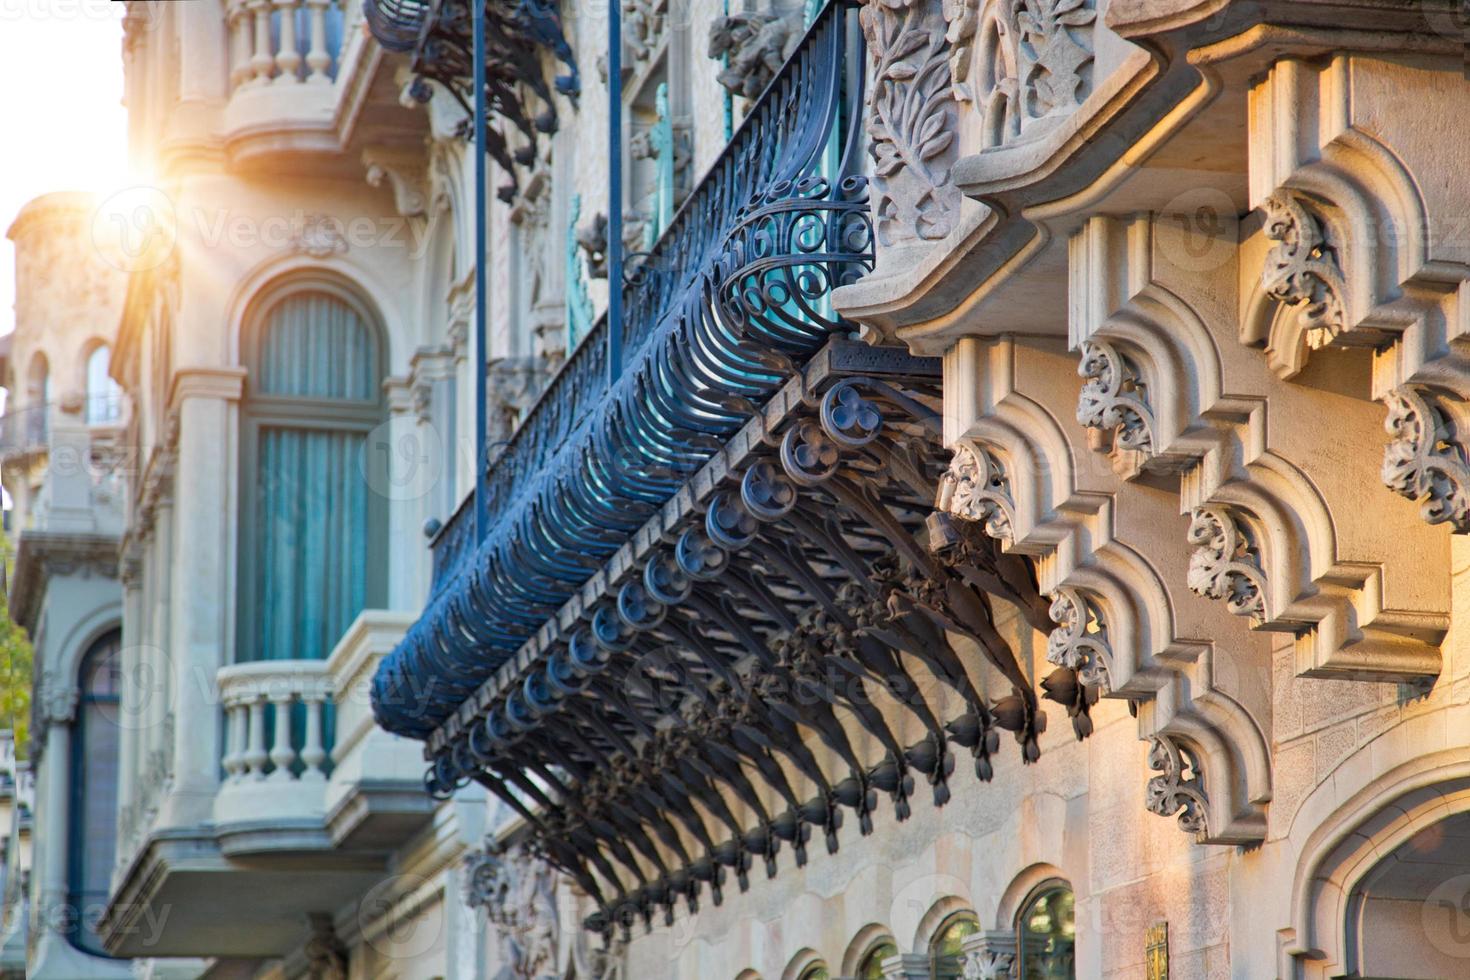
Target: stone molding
(40,555)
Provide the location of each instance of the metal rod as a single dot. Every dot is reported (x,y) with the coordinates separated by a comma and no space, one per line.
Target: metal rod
(482,514)
(614,191)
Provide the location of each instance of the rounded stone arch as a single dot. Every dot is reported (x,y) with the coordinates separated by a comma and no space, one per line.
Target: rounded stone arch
(276,277)
(939,913)
(1349,845)
(1022,887)
(79,638)
(864,942)
(747,974)
(804,960)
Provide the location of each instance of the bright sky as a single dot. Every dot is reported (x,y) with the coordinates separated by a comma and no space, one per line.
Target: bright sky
(61,114)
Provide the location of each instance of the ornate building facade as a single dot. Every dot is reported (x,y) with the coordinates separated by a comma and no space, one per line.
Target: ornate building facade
(1017,532)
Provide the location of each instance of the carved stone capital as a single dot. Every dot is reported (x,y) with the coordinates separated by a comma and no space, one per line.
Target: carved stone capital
(1302,269)
(1226,563)
(1115,398)
(990,955)
(1179,787)
(976,488)
(1427,459)
(1080,641)
(912,125)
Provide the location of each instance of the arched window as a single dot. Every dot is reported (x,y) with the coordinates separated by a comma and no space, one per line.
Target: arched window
(104,397)
(91,839)
(1046,932)
(871,967)
(817,971)
(311,543)
(946,954)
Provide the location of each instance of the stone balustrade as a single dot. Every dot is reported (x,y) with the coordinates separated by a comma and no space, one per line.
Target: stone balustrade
(276,728)
(283,42)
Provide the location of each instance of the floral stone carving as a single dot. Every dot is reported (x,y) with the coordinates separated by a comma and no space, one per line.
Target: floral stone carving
(1080,641)
(912,130)
(1426,459)
(1019,62)
(1115,397)
(1179,787)
(1226,563)
(976,488)
(1302,268)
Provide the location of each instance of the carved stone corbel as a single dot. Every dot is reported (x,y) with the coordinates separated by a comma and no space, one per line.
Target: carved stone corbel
(1114,401)
(404,174)
(1302,269)
(1226,563)
(1179,787)
(1426,459)
(976,488)
(1080,641)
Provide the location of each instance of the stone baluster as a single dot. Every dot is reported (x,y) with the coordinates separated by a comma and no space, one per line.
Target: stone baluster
(318,59)
(234,761)
(288,59)
(262,62)
(313,756)
(242,29)
(283,754)
(256,756)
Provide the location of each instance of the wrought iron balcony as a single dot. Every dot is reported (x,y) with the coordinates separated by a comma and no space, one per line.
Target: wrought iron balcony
(719,314)
(716,593)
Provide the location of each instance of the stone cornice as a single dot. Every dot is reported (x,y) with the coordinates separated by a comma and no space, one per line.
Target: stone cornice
(225,383)
(42,554)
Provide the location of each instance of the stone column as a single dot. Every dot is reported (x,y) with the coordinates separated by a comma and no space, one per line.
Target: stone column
(202,587)
(53,798)
(128,767)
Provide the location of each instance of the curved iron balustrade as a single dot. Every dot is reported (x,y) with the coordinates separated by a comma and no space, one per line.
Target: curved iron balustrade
(396,24)
(722,312)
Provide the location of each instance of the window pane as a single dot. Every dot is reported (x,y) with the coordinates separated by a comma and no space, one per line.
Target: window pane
(316,346)
(312,518)
(94,792)
(946,958)
(872,968)
(1048,936)
(104,397)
